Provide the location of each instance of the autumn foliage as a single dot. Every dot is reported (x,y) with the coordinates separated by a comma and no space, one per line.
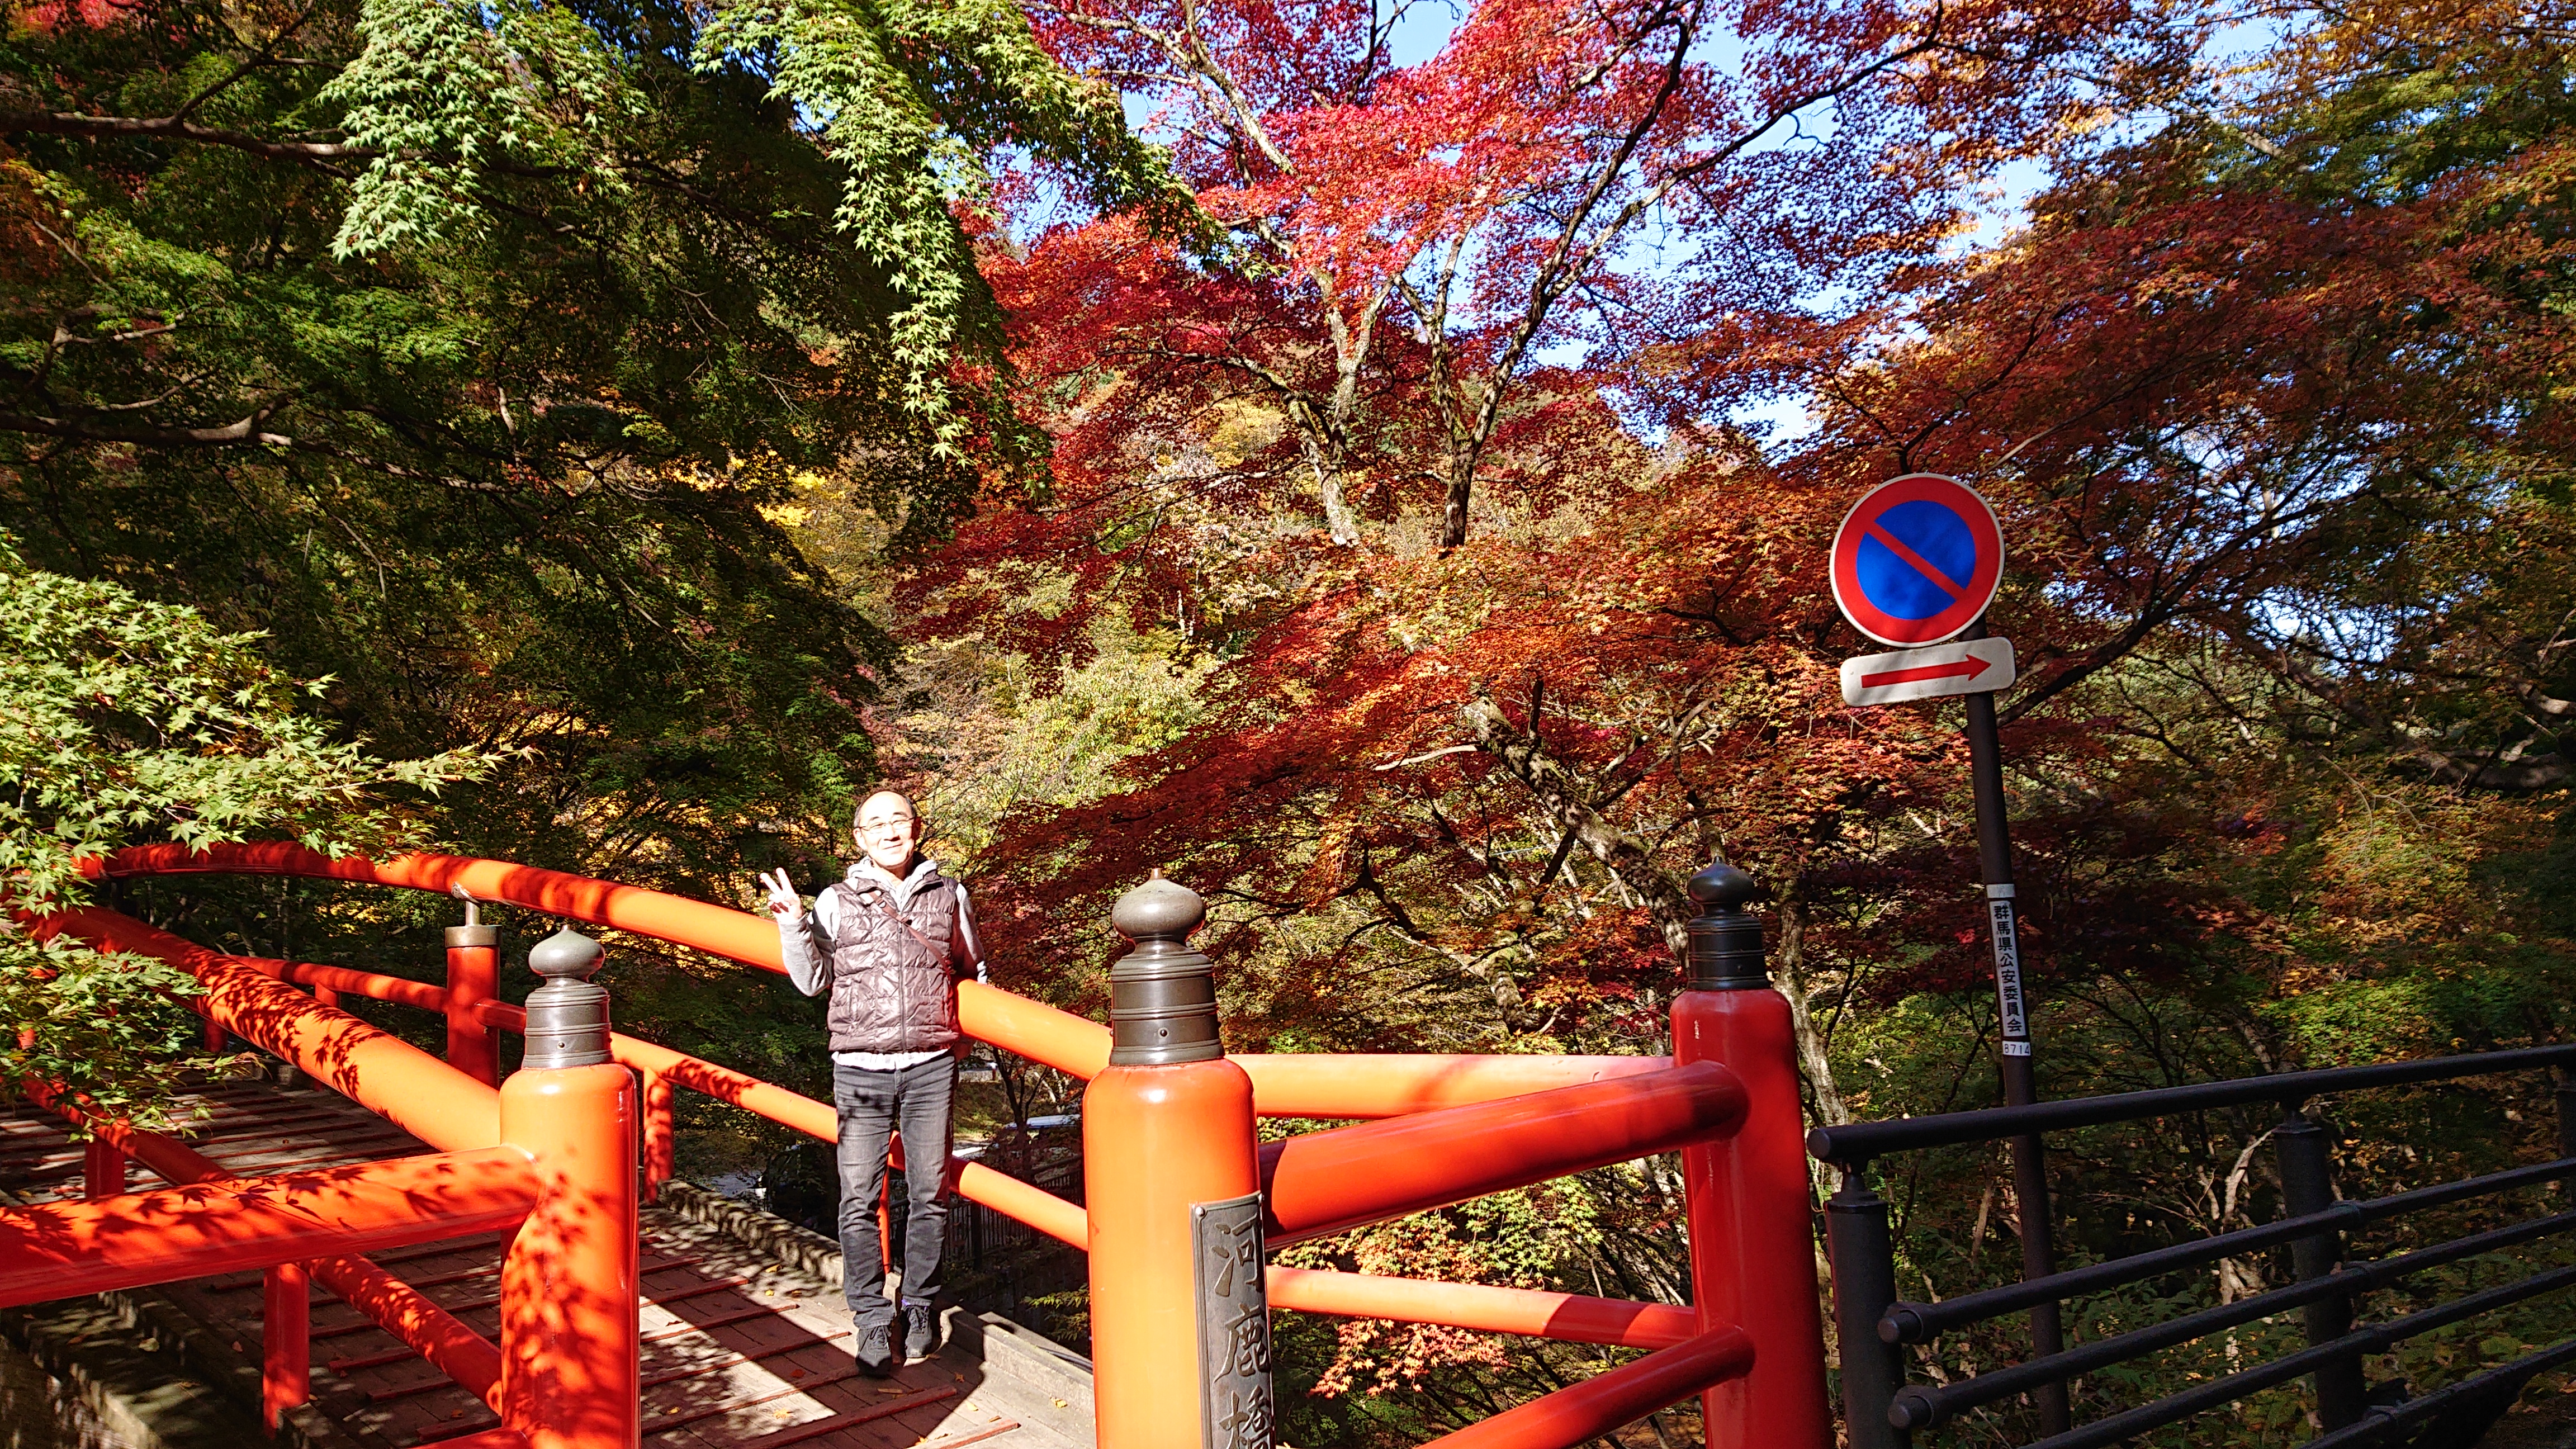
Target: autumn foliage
(1414,542)
(1444,463)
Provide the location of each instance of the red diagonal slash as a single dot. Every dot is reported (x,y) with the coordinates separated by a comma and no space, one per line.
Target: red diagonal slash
(1969,667)
(1915,561)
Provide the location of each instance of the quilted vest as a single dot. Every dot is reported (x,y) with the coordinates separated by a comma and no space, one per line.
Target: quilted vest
(894,988)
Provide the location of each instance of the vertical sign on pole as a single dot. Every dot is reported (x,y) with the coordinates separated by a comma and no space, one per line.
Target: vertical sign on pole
(2016,1024)
(1915,564)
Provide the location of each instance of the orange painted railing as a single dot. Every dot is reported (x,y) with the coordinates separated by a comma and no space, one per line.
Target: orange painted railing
(1319,1085)
(1430,1131)
(1330,1182)
(1600,1406)
(402,1310)
(549,1154)
(189,1232)
(1569,1317)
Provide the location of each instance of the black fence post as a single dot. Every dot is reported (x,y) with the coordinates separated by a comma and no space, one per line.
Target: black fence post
(1864,1264)
(2567,1119)
(2305,1151)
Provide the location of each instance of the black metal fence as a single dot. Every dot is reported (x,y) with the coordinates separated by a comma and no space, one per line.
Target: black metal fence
(1877,1330)
(1000,1263)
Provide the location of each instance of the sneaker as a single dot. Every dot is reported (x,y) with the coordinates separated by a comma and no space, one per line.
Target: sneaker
(920,1331)
(875,1352)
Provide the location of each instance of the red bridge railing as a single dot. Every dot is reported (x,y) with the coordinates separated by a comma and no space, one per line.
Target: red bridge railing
(1183,1200)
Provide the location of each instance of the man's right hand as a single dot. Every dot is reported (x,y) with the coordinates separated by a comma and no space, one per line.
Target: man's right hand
(783,899)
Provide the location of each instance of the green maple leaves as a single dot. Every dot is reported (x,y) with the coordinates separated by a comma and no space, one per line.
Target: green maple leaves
(907,99)
(126,721)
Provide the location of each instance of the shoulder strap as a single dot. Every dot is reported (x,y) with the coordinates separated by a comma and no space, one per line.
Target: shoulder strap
(886,908)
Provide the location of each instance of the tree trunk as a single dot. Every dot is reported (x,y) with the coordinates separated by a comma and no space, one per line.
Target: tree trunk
(1453,512)
(1815,1069)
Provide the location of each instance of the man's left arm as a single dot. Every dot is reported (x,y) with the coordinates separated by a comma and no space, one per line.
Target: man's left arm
(965,948)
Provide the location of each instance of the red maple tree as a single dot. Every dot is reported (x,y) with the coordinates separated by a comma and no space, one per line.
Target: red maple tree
(1517,630)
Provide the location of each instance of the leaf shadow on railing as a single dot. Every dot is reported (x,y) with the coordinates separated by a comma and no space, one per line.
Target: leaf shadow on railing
(444,1107)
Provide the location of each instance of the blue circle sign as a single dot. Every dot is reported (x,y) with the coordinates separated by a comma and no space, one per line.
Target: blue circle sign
(1917,560)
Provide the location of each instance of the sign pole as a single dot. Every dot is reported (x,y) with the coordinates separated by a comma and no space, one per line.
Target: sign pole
(2021,1088)
(1914,565)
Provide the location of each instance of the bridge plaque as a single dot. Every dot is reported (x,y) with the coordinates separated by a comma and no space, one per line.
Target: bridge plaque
(1234,1324)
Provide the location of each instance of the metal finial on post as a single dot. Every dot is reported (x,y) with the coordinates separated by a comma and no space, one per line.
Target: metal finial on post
(1162,995)
(473,932)
(1174,1182)
(1725,952)
(568,1016)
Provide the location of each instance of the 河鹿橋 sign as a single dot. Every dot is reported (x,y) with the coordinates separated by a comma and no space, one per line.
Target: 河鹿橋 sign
(1917,560)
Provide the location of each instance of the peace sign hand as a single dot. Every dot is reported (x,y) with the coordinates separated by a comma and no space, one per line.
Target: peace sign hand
(783,899)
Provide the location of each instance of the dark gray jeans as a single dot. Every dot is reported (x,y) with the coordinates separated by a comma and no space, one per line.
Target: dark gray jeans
(915,1101)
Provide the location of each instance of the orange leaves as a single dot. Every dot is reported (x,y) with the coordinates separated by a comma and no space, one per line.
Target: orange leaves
(1412,241)
(51,15)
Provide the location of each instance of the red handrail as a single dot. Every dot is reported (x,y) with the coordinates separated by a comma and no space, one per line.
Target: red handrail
(1566,1317)
(1032,1029)
(1005,1194)
(397,1081)
(568,1341)
(1397,1084)
(370,984)
(999,1191)
(1291,1084)
(1457,1126)
(469,1358)
(1329,1182)
(1605,1403)
(59,1249)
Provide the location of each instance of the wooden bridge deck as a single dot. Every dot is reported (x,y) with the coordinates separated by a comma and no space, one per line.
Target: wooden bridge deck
(739,1347)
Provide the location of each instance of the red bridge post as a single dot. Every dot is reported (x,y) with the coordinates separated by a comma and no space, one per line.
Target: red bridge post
(1752,1243)
(473,977)
(102,1169)
(285,1341)
(569,1378)
(1180,1322)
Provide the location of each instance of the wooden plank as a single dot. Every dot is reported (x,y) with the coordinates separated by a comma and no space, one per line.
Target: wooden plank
(725,1320)
(653,1429)
(977,1437)
(743,1361)
(443,1429)
(842,1424)
(675,1375)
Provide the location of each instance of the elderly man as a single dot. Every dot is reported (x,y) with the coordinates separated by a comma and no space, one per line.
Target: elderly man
(889,943)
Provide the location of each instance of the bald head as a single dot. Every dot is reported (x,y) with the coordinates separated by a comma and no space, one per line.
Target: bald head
(884,803)
(889,829)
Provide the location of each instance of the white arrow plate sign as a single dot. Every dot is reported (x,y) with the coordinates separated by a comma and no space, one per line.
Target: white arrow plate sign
(1962,666)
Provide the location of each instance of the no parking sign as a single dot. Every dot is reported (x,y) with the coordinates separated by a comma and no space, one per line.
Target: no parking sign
(1917,560)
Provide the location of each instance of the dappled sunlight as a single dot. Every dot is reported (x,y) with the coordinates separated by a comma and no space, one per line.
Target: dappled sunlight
(414,1090)
(62,1249)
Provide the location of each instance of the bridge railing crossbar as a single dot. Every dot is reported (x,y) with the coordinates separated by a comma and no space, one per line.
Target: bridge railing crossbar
(1521,1119)
(472,1361)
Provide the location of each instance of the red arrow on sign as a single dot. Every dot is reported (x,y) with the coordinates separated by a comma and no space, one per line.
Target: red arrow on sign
(1968,668)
